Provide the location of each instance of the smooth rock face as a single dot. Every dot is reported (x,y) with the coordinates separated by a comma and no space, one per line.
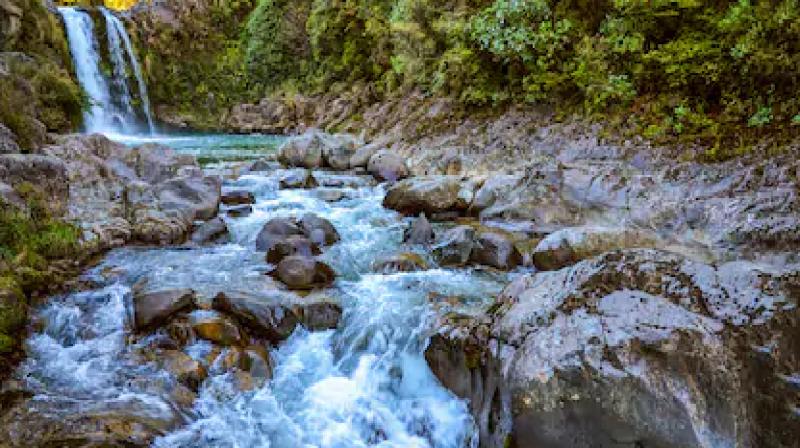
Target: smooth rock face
(636,345)
(303,273)
(387,166)
(428,194)
(154,307)
(568,246)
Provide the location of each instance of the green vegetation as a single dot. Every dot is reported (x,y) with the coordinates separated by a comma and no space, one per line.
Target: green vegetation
(718,73)
(29,240)
(37,88)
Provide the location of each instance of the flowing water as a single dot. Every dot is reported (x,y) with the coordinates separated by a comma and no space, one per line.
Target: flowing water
(365,384)
(112,107)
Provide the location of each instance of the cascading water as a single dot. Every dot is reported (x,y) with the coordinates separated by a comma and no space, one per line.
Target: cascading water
(365,384)
(86,58)
(112,110)
(117,29)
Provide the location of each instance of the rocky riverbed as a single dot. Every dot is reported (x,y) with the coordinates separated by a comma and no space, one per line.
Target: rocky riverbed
(565,292)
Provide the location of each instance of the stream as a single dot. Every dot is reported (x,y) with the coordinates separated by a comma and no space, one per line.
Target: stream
(364,384)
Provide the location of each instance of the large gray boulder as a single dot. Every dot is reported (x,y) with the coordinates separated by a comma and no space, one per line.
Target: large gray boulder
(637,345)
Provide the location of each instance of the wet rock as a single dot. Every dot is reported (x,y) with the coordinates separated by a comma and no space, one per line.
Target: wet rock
(240,211)
(455,246)
(238,197)
(329,194)
(8,141)
(497,249)
(298,178)
(319,230)
(152,308)
(387,166)
(183,367)
(289,246)
(215,327)
(303,273)
(276,230)
(210,231)
(420,232)
(638,345)
(275,314)
(429,195)
(262,165)
(64,422)
(570,245)
(405,262)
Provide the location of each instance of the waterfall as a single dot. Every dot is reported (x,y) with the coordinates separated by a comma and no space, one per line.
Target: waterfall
(117,29)
(112,109)
(83,46)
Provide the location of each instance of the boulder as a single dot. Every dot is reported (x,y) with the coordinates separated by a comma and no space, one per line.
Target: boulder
(155,163)
(338,150)
(275,314)
(319,230)
(496,249)
(152,308)
(238,197)
(362,155)
(455,246)
(634,345)
(213,326)
(420,232)
(276,230)
(387,166)
(568,246)
(303,151)
(297,178)
(303,273)
(210,231)
(183,367)
(430,195)
(289,246)
(405,262)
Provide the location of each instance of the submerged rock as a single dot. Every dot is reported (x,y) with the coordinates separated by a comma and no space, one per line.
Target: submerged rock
(405,262)
(240,211)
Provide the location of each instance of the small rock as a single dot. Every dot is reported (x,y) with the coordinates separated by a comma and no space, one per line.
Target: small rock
(187,370)
(240,211)
(215,327)
(291,245)
(276,230)
(496,249)
(329,194)
(210,231)
(238,197)
(420,232)
(455,246)
(405,262)
(298,178)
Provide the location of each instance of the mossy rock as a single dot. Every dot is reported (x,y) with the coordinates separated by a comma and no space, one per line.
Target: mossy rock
(13,313)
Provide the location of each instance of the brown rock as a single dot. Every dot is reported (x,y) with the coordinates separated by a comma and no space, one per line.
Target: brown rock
(152,308)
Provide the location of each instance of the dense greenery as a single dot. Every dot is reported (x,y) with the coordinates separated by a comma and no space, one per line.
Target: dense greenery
(671,69)
(29,240)
(37,87)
